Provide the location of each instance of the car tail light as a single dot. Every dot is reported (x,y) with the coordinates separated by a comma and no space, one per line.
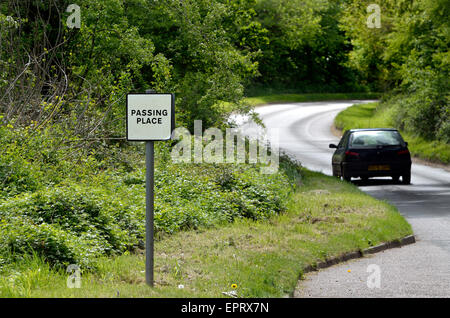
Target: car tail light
(351,153)
(403,152)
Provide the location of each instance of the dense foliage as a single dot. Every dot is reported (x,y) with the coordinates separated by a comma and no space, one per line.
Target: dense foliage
(207,51)
(73,224)
(211,51)
(71,188)
(409,56)
(93,213)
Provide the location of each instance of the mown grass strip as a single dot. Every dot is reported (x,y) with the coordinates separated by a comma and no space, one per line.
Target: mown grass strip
(325,218)
(293,98)
(371,116)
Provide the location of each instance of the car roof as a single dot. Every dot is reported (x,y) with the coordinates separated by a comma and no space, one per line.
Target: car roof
(372,129)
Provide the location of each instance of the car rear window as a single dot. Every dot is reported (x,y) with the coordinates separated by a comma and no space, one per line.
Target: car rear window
(373,138)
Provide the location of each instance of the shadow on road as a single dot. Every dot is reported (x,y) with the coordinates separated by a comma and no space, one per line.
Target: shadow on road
(376,182)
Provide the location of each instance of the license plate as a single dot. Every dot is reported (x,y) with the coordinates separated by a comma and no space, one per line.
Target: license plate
(379,168)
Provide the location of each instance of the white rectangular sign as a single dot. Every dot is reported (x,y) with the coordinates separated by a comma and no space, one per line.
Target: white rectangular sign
(150,116)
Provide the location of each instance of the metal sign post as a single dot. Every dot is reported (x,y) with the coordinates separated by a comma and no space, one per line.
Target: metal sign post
(149,204)
(150,117)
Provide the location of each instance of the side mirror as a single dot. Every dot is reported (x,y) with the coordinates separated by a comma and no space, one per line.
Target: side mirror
(332,146)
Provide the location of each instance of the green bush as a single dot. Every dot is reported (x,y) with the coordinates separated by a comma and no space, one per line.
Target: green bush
(69,209)
(64,224)
(422,113)
(16,174)
(31,160)
(105,215)
(20,236)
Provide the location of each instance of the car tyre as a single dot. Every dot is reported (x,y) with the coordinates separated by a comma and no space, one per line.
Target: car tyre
(395,179)
(345,176)
(335,174)
(406,178)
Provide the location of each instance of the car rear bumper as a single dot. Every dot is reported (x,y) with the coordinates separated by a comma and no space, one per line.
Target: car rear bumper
(376,169)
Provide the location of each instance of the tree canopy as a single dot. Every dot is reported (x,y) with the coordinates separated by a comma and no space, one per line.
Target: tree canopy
(211,52)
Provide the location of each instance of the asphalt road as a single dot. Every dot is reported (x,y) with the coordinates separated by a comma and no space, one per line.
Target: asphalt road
(418,270)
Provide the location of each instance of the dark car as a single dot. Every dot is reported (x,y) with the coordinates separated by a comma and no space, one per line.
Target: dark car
(367,153)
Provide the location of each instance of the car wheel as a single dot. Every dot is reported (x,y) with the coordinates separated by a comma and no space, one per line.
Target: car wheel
(346,177)
(395,178)
(335,174)
(406,178)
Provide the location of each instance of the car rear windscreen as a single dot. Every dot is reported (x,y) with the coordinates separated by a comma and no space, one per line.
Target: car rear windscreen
(374,138)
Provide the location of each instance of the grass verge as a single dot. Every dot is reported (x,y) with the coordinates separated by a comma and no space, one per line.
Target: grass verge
(292,98)
(325,218)
(370,116)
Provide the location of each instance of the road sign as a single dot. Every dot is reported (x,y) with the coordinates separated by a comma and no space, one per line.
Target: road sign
(150,116)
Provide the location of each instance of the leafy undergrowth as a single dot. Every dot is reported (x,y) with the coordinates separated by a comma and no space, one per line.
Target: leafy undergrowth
(263,258)
(371,116)
(95,211)
(75,223)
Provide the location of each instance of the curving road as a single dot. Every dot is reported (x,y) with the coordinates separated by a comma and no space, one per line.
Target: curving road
(418,270)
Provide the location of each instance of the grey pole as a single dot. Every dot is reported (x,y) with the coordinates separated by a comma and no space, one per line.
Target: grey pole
(149,201)
(149,205)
